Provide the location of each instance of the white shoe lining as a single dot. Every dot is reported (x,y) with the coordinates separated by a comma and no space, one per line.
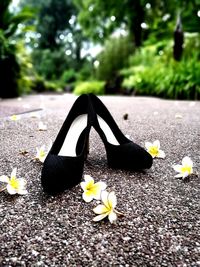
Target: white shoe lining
(69,145)
(107,131)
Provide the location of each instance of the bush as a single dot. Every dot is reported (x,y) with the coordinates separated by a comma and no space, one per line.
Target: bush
(113,58)
(155,72)
(53,86)
(69,76)
(50,64)
(86,72)
(40,85)
(95,87)
(25,81)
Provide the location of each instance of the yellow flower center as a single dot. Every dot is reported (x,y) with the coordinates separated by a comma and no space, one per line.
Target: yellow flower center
(187,169)
(14,183)
(42,154)
(89,186)
(154,151)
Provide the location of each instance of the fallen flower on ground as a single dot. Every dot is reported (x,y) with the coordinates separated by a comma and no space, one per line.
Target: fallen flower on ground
(92,190)
(154,149)
(185,169)
(178,116)
(42,126)
(41,154)
(107,208)
(15,117)
(14,185)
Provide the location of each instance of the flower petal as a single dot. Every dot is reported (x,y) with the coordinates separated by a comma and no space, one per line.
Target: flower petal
(187,161)
(104,198)
(42,159)
(13,173)
(112,216)
(42,148)
(11,190)
(185,174)
(153,155)
(161,154)
(83,185)
(87,196)
(100,217)
(148,145)
(97,189)
(156,144)
(112,199)
(22,191)
(100,209)
(22,182)
(180,175)
(4,179)
(88,178)
(177,168)
(102,185)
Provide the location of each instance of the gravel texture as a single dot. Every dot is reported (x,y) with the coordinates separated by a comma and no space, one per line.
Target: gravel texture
(161,226)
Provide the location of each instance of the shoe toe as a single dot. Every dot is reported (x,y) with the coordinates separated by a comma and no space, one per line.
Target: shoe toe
(129,156)
(145,160)
(60,173)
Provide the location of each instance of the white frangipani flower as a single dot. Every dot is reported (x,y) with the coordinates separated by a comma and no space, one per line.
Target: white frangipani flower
(107,208)
(14,185)
(42,126)
(41,154)
(154,149)
(15,117)
(185,169)
(92,190)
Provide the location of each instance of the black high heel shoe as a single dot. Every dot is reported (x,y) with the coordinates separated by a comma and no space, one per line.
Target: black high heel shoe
(121,152)
(63,166)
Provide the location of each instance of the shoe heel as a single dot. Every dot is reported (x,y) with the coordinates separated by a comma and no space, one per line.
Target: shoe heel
(87,149)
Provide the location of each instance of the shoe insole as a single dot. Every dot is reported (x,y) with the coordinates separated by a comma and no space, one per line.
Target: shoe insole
(107,131)
(69,145)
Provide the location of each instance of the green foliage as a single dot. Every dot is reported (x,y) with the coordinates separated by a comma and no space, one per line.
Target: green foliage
(50,64)
(27,72)
(95,17)
(53,86)
(86,72)
(56,34)
(10,67)
(69,76)
(154,72)
(54,18)
(8,21)
(40,85)
(113,57)
(95,87)
(111,60)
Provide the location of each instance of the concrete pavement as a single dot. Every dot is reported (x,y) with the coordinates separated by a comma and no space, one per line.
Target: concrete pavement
(161,226)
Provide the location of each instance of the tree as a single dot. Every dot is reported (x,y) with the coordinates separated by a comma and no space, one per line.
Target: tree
(53,19)
(9,66)
(58,40)
(100,18)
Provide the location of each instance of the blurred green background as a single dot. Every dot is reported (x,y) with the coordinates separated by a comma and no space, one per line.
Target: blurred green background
(127,47)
